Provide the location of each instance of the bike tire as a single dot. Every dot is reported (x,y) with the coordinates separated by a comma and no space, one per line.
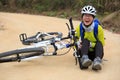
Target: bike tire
(56,35)
(28,40)
(18,55)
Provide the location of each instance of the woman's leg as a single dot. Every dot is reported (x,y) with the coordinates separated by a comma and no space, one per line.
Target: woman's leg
(84,53)
(99,50)
(98,56)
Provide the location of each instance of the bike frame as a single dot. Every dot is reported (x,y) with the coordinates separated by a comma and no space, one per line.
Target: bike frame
(46,43)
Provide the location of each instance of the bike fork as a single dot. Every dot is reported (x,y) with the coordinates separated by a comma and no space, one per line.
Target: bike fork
(77,57)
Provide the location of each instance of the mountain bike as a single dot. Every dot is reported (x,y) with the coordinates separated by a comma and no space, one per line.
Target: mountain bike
(38,45)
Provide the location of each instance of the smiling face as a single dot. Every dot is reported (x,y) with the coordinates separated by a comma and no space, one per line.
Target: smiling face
(87,19)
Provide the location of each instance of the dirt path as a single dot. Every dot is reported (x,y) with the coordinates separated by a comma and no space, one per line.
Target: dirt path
(51,68)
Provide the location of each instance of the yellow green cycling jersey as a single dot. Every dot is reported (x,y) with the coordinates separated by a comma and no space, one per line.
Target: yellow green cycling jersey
(90,35)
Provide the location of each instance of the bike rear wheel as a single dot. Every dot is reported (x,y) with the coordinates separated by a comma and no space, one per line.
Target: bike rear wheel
(18,55)
(39,37)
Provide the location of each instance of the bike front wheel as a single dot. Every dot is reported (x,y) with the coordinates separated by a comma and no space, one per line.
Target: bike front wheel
(18,55)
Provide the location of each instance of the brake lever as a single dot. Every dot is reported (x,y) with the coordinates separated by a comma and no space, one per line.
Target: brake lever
(68,26)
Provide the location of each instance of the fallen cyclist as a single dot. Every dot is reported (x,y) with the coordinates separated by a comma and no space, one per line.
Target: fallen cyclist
(91,39)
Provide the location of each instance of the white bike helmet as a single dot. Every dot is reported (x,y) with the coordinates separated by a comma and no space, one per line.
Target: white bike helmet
(88,10)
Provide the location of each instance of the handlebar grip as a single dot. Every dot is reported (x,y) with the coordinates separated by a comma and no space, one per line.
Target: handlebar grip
(71,24)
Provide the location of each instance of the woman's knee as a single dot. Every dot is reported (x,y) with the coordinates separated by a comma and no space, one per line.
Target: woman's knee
(98,43)
(85,41)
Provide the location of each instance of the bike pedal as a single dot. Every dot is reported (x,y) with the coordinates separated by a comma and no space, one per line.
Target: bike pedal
(23,37)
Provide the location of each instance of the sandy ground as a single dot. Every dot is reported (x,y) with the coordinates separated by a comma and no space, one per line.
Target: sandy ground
(51,68)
